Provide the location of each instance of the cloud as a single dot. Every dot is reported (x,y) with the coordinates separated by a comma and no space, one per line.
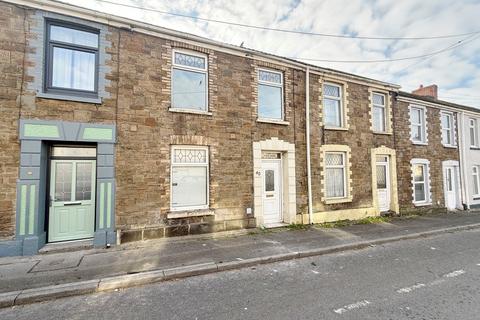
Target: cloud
(457,72)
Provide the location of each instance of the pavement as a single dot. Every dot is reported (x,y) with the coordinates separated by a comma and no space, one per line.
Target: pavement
(42,277)
(435,277)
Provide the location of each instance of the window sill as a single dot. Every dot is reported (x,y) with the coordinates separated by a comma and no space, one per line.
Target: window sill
(449,146)
(383,133)
(206,113)
(474,148)
(335,201)
(335,128)
(420,143)
(68,98)
(190,213)
(422,204)
(476,197)
(273,121)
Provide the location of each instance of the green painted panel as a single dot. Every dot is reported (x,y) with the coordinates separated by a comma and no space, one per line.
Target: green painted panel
(98,134)
(31,209)
(109,204)
(41,130)
(102,205)
(23,208)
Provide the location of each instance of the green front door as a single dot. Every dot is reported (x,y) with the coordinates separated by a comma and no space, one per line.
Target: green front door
(72,200)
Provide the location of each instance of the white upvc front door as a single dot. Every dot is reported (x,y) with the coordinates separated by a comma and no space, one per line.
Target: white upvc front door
(450,183)
(272,191)
(383,183)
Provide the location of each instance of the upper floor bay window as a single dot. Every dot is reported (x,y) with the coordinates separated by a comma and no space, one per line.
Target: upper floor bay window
(189,81)
(332,105)
(448,137)
(335,175)
(71,59)
(379,112)
(270,95)
(418,125)
(473,133)
(189,178)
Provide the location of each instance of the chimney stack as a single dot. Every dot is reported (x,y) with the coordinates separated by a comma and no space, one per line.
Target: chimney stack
(428,91)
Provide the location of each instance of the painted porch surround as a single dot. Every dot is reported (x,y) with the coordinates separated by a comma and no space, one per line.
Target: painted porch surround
(32,191)
(289,201)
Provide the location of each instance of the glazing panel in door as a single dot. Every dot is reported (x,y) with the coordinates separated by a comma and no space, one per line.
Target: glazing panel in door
(72,200)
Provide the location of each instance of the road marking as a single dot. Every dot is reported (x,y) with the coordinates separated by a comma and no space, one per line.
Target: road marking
(412,288)
(352,306)
(438,281)
(455,273)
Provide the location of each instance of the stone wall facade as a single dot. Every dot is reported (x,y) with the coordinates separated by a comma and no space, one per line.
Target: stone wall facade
(433,151)
(359,139)
(137,98)
(135,94)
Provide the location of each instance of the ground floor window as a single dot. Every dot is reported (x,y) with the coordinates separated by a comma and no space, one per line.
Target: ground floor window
(421,186)
(476,181)
(335,172)
(189,178)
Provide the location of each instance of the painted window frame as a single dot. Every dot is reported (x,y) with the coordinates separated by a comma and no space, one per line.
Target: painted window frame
(426,181)
(422,124)
(271,84)
(476,180)
(344,167)
(451,129)
(385,111)
(190,69)
(473,127)
(341,87)
(206,165)
(48,58)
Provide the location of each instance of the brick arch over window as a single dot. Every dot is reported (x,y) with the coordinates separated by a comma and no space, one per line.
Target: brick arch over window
(288,171)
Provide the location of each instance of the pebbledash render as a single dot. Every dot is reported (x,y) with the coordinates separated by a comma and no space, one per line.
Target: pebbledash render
(114,130)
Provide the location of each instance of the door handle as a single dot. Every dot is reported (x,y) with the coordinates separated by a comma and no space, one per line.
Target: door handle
(72,203)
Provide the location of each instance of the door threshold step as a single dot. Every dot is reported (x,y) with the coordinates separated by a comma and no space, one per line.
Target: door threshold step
(275,225)
(66,246)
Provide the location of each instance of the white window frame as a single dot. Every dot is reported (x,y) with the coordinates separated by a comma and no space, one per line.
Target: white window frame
(476,180)
(271,84)
(473,126)
(422,124)
(192,69)
(450,131)
(206,164)
(426,181)
(385,110)
(345,177)
(340,99)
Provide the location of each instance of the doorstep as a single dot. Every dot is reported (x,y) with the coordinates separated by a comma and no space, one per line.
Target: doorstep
(66,246)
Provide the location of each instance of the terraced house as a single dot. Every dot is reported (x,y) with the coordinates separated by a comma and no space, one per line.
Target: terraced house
(114,130)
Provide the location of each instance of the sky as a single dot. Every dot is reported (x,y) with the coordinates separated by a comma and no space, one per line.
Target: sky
(456,71)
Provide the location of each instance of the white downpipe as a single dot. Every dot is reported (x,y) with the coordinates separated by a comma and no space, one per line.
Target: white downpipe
(463,162)
(307,129)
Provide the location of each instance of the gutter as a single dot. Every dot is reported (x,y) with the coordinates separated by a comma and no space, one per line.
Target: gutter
(307,129)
